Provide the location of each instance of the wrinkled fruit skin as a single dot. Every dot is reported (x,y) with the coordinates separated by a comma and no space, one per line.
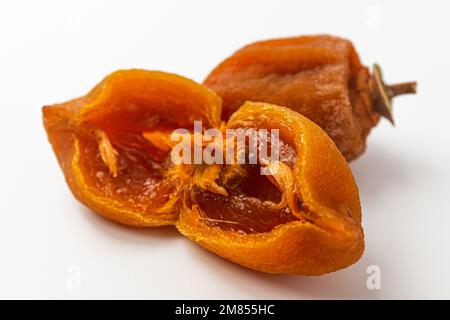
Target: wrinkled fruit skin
(320,77)
(111,145)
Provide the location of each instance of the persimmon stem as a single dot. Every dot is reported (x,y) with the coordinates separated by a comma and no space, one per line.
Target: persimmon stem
(401,88)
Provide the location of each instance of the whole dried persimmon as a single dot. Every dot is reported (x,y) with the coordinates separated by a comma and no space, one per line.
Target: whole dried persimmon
(109,143)
(303,219)
(320,77)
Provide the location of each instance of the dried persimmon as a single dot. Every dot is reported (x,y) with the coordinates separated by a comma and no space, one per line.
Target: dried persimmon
(303,219)
(114,145)
(108,143)
(320,77)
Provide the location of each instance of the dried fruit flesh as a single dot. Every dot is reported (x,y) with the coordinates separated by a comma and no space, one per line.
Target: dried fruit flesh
(305,219)
(108,143)
(249,207)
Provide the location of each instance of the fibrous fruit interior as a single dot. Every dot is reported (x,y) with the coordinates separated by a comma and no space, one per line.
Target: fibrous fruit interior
(134,167)
(252,202)
(127,167)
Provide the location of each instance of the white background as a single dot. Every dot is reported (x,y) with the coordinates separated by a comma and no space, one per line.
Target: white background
(52,51)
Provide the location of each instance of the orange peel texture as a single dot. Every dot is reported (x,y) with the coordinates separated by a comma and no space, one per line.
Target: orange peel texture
(320,77)
(114,147)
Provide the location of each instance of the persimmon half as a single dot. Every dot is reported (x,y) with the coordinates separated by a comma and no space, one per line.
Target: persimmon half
(113,145)
(110,143)
(303,219)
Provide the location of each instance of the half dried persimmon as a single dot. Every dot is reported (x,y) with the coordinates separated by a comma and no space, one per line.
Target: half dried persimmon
(109,143)
(303,219)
